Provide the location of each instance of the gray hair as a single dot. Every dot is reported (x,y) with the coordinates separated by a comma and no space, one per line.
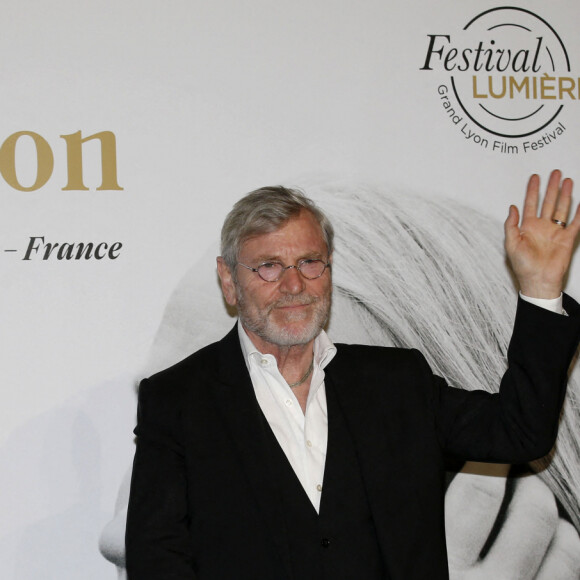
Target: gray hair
(263,211)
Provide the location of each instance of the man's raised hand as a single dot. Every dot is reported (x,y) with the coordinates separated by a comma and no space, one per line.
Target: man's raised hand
(540,248)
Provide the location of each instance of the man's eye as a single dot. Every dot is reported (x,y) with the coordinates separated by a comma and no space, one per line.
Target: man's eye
(269,265)
(308,261)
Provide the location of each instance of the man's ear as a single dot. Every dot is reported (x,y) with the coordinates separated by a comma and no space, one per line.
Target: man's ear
(227,281)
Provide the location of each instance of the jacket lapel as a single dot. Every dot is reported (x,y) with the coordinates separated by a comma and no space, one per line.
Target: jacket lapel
(248,429)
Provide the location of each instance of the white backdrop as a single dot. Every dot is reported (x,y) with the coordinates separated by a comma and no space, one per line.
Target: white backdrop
(206,101)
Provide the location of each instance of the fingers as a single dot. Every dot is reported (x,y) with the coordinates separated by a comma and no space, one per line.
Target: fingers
(557,201)
(564,201)
(533,542)
(562,562)
(524,538)
(574,226)
(532,196)
(512,231)
(112,539)
(472,503)
(551,198)
(556,206)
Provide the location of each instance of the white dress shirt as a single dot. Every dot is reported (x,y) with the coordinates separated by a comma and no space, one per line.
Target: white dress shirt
(304,436)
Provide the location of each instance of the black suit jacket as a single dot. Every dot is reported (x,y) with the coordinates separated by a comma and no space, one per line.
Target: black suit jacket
(204,505)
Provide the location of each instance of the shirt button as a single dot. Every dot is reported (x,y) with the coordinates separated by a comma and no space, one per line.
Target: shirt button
(319,487)
(325,542)
(309,443)
(288,402)
(264,362)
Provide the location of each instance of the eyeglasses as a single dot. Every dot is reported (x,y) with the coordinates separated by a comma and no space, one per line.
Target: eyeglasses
(272,271)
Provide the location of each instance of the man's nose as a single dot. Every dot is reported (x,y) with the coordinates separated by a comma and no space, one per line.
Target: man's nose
(292,281)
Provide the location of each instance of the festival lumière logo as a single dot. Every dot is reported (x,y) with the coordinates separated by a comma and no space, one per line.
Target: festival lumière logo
(509,80)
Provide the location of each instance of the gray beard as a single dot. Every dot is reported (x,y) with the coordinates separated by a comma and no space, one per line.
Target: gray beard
(267,330)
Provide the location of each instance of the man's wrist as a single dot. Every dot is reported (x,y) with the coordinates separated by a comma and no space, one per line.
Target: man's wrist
(552,304)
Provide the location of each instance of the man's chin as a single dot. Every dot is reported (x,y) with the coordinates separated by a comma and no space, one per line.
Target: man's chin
(291,335)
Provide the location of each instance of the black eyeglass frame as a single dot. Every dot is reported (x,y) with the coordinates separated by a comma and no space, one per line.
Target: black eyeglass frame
(284,268)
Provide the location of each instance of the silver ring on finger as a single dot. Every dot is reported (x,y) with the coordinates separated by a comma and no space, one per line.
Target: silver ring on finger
(559,223)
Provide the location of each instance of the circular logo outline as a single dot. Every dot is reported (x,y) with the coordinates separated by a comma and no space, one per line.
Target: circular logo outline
(480,124)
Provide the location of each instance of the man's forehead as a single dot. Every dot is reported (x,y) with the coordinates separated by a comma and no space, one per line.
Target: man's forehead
(281,256)
(301,234)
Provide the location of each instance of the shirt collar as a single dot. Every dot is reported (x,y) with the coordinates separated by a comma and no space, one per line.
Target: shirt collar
(324,349)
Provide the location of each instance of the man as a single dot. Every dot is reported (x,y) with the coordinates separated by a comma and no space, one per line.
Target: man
(274,454)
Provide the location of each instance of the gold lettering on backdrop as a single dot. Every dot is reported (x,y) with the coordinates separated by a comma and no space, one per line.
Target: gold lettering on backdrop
(74,152)
(525,84)
(566,85)
(546,86)
(44,160)
(476,95)
(543,87)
